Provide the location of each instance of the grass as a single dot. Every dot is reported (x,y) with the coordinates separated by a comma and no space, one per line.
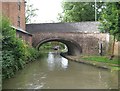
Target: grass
(115,68)
(103,59)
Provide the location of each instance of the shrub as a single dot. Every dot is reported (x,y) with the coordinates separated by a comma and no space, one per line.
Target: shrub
(8,65)
(15,52)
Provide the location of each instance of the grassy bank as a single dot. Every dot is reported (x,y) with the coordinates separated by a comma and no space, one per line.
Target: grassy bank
(103,59)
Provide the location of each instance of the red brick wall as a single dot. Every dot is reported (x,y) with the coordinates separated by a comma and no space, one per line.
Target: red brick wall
(10,9)
(22,15)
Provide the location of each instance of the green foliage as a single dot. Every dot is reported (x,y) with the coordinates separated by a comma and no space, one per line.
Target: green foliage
(79,11)
(50,45)
(47,46)
(103,59)
(33,53)
(7,35)
(109,20)
(15,52)
(113,64)
(8,65)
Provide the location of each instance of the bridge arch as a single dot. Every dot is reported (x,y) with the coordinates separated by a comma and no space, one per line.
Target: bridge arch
(73,47)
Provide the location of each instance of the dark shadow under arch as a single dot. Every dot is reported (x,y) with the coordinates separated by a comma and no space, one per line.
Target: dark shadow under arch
(73,47)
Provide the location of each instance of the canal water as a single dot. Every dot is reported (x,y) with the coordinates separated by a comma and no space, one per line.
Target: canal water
(55,72)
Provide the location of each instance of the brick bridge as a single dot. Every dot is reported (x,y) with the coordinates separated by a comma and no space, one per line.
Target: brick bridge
(81,37)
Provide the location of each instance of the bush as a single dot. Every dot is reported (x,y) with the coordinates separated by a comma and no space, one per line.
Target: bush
(8,65)
(15,52)
(31,53)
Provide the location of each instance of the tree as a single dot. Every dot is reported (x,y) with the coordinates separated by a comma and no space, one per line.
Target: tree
(110,20)
(30,12)
(79,11)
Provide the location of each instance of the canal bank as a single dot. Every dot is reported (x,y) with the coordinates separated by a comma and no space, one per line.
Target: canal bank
(102,65)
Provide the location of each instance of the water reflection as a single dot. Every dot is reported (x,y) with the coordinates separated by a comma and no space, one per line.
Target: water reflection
(64,62)
(50,61)
(56,61)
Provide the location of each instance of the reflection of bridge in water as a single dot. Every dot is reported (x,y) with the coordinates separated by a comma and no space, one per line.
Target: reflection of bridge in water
(82,37)
(54,59)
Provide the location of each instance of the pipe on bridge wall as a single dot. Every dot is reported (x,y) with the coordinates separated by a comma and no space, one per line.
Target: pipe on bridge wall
(74,48)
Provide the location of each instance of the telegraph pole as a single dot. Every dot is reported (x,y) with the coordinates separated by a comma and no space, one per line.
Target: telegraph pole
(95,11)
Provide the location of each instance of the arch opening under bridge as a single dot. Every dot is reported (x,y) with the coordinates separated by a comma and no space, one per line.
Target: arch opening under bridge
(72,46)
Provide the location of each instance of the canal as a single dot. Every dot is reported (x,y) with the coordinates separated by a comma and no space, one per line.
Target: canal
(55,72)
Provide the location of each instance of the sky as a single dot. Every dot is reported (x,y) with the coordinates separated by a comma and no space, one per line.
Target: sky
(47,10)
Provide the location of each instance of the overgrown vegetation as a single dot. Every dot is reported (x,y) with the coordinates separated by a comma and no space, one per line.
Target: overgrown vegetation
(15,52)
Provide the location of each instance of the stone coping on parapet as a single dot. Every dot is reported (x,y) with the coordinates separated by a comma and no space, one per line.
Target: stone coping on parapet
(75,32)
(88,26)
(66,22)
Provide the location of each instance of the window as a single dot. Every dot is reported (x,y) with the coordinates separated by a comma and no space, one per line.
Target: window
(25,3)
(19,4)
(18,21)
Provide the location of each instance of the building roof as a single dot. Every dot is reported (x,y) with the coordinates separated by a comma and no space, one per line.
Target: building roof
(21,30)
(63,27)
